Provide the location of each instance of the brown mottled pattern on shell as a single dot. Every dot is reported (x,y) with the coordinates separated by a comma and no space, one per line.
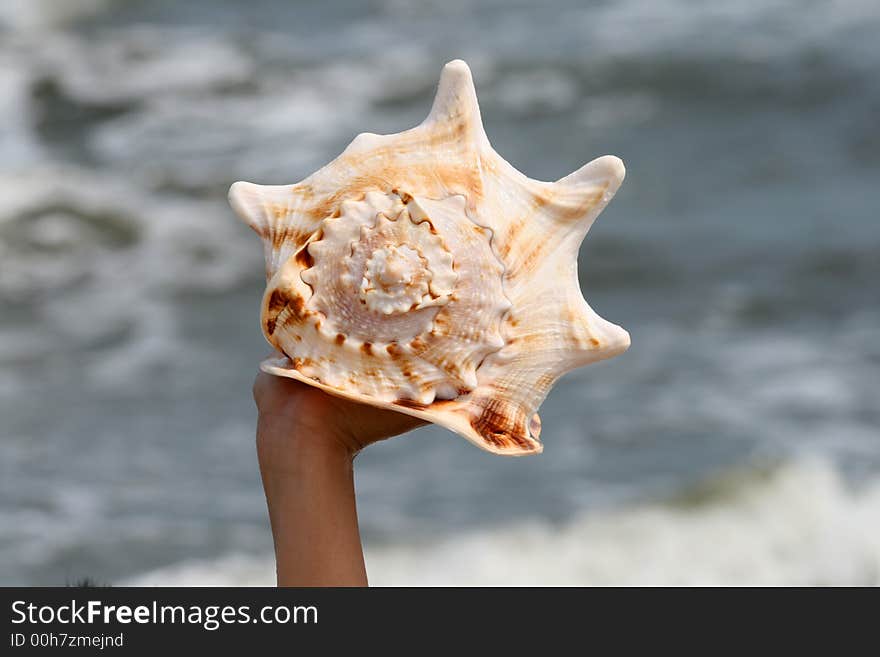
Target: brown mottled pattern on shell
(502,424)
(304,258)
(422,179)
(573,207)
(411,403)
(281,300)
(405,197)
(289,235)
(525,256)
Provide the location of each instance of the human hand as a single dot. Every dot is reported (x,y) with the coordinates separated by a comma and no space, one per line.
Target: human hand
(306,440)
(312,414)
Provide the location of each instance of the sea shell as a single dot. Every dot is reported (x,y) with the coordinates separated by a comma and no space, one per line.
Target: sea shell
(421,272)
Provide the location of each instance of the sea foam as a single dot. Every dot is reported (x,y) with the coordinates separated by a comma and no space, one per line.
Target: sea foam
(797,524)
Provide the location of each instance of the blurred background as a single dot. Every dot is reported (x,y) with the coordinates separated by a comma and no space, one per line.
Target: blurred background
(736,442)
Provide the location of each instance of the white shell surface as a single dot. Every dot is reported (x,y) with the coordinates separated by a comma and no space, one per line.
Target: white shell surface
(421,272)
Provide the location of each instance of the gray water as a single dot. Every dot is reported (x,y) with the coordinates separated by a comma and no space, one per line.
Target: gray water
(741,253)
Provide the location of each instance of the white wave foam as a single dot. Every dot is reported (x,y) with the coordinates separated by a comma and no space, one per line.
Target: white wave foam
(797,525)
(118,254)
(41,14)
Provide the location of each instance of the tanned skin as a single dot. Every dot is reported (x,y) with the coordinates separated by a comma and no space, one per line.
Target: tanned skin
(307,441)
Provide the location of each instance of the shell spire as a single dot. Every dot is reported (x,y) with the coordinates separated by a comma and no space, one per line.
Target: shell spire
(421,272)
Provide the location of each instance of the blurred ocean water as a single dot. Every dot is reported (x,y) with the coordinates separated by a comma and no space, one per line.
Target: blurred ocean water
(738,441)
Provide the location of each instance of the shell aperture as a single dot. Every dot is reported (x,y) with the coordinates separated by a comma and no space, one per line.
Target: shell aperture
(421,272)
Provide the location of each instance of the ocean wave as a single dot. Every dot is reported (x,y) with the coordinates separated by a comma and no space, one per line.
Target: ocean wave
(102,263)
(796,524)
(126,284)
(42,14)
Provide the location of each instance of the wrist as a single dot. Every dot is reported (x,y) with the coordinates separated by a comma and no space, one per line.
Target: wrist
(288,445)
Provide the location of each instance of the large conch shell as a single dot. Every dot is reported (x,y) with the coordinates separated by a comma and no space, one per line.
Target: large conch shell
(421,272)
